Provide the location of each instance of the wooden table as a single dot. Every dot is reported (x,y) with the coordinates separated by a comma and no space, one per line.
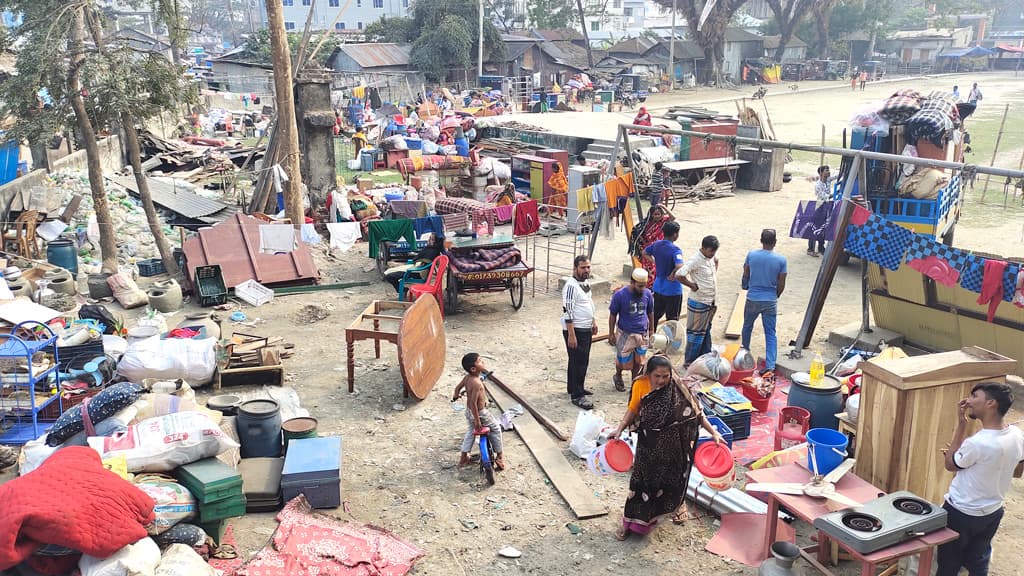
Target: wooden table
(807,509)
(419,337)
(708,166)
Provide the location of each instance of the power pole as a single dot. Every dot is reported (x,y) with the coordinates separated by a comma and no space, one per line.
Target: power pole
(480,44)
(287,129)
(672,51)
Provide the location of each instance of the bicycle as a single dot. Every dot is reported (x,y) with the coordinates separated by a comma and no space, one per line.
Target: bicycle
(487,464)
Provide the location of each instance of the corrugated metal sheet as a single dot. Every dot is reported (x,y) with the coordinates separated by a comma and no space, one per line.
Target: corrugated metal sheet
(235,245)
(175,199)
(378,54)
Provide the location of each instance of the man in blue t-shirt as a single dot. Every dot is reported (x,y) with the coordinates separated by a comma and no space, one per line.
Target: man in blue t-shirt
(668,259)
(630,323)
(764,279)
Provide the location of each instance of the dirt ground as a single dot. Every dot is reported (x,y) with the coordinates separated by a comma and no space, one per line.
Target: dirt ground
(399,454)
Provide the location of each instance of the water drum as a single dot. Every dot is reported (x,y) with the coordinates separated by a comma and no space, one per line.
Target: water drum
(259,428)
(612,457)
(715,463)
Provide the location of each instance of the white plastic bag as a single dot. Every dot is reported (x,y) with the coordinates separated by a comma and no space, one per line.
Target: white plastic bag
(162,444)
(139,559)
(191,360)
(584,437)
(174,503)
(711,366)
(33,454)
(182,560)
(848,366)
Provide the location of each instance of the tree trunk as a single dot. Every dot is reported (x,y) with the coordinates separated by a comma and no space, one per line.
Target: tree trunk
(785,35)
(288,130)
(822,13)
(586,35)
(131,141)
(108,240)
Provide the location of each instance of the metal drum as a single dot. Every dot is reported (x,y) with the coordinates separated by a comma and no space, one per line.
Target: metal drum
(823,402)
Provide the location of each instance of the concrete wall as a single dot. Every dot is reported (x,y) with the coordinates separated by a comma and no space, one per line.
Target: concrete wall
(111,157)
(21,185)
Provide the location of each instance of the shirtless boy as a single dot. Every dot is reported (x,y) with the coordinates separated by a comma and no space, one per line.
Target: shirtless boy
(477,415)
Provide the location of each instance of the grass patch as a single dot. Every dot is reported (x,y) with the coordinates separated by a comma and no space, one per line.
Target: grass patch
(345,151)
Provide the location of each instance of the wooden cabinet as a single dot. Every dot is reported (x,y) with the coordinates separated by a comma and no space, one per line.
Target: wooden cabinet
(908,411)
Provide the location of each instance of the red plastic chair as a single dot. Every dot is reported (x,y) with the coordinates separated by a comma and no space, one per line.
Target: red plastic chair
(794,422)
(434,284)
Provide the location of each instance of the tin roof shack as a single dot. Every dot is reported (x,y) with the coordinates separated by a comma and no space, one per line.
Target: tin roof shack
(371,57)
(921,46)
(233,73)
(796,49)
(644,55)
(740,45)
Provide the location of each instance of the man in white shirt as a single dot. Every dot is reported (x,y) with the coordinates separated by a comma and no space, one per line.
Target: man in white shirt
(578,329)
(700,275)
(984,465)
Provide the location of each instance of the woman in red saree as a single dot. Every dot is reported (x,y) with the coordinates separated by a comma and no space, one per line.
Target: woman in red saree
(647,232)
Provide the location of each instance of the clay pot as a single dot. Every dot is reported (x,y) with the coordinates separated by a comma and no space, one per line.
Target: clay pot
(165,296)
(62,283)
(19,287)
(204,319)
(98,287)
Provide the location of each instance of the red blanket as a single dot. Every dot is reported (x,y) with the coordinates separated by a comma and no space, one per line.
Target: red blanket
(70,501)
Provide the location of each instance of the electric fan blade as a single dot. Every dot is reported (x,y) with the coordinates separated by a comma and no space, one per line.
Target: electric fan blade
(844,500)
(776,487)
(844,467)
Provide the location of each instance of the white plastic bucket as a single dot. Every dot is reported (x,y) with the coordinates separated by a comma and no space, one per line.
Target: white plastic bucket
(612,457)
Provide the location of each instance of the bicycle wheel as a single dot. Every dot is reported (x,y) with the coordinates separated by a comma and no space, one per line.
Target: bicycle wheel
(486,462)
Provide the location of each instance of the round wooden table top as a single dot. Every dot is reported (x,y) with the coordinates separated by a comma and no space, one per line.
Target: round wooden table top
(421,346)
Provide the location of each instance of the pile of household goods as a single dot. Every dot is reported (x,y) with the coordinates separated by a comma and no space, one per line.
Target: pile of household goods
(927,123)
(198,160)
(137,476)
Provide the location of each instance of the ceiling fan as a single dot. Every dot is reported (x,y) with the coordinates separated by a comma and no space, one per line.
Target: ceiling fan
(819,486)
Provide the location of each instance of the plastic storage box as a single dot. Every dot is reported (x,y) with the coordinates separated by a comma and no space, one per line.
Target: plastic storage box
(151,267)
(738,422)
(313,467)
(254,293)
(210,286)
(722,429)
(228,508)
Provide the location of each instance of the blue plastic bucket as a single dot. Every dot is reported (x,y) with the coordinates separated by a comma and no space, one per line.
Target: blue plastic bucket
(827,448)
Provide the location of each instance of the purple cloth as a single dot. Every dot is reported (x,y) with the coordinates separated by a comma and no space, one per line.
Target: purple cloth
(632,310)
(815,222)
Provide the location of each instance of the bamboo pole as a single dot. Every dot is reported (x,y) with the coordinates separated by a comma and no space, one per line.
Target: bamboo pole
(995,150)
(821,161)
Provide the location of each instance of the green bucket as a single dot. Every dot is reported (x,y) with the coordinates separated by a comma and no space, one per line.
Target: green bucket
(295,428)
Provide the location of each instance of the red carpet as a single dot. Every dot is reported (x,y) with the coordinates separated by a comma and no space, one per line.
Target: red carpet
(762,428)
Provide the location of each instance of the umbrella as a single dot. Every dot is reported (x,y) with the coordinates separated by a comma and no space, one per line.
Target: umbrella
(389,109)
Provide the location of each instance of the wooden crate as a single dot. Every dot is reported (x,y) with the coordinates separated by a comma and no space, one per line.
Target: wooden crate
(908,411)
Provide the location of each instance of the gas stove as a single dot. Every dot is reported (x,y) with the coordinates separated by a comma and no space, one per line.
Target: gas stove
(884,522)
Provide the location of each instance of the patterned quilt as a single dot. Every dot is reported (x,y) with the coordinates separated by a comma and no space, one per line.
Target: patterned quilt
(483,259)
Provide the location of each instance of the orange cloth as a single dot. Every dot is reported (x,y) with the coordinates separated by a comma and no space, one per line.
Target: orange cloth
(559,190)
(641,387)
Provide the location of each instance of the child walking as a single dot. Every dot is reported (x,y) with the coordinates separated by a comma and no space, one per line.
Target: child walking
(477,415)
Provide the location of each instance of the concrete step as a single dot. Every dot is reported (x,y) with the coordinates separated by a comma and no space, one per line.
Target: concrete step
(607,148)
(596,155)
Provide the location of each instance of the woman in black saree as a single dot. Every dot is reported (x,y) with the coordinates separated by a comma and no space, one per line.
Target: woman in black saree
(667,418)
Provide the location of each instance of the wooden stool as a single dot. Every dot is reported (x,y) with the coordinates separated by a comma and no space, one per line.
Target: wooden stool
(849,428)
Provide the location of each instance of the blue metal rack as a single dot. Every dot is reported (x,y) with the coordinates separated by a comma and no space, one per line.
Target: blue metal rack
(20,404)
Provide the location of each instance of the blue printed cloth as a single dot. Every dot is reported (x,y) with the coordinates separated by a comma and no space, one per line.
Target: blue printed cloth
(878,241)
(428,224)
(1010,280)
(935,260)
(972,273)
(108,402)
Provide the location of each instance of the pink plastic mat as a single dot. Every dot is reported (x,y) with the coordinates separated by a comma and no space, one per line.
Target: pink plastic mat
(762,427)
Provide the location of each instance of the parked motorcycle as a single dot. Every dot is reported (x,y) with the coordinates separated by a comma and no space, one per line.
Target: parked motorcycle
(760,93)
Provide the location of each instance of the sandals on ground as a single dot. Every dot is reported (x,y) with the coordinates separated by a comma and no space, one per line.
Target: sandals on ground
(583,403)
(621,534)
(619,384)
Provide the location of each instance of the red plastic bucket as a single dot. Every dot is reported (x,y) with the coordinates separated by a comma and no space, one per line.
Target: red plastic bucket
(612,457)
(715,463)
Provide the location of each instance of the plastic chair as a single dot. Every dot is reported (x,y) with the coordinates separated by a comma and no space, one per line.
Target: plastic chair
(794,422)
(434,284)
(412,276)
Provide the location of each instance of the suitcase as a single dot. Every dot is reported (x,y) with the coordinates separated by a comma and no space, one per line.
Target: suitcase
(313,467)
(210,480)
(261,483)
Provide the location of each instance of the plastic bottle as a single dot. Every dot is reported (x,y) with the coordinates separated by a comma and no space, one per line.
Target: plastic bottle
(817,371)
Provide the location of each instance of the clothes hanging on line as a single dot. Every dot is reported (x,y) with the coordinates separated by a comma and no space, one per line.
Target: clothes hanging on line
(276,238)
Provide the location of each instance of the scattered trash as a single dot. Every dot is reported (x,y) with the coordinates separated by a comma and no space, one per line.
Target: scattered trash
(509,552)
(398,407)
(312,313)
(468,524)
(574,529)
(238,316)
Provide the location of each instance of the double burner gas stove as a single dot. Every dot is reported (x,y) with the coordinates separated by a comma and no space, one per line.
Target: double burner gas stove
(881,523)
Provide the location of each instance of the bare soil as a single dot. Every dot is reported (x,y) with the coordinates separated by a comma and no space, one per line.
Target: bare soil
(399,454)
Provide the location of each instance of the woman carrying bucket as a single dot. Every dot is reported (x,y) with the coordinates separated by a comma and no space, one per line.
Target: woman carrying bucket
(667,418)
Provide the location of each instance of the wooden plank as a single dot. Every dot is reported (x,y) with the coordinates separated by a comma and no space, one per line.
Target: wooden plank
(544,420)
(734,328)
(563,476)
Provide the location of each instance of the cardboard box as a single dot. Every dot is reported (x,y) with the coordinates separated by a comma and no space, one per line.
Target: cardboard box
(364,184)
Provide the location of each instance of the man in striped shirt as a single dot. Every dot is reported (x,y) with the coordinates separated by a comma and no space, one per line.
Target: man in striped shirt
(578,329)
